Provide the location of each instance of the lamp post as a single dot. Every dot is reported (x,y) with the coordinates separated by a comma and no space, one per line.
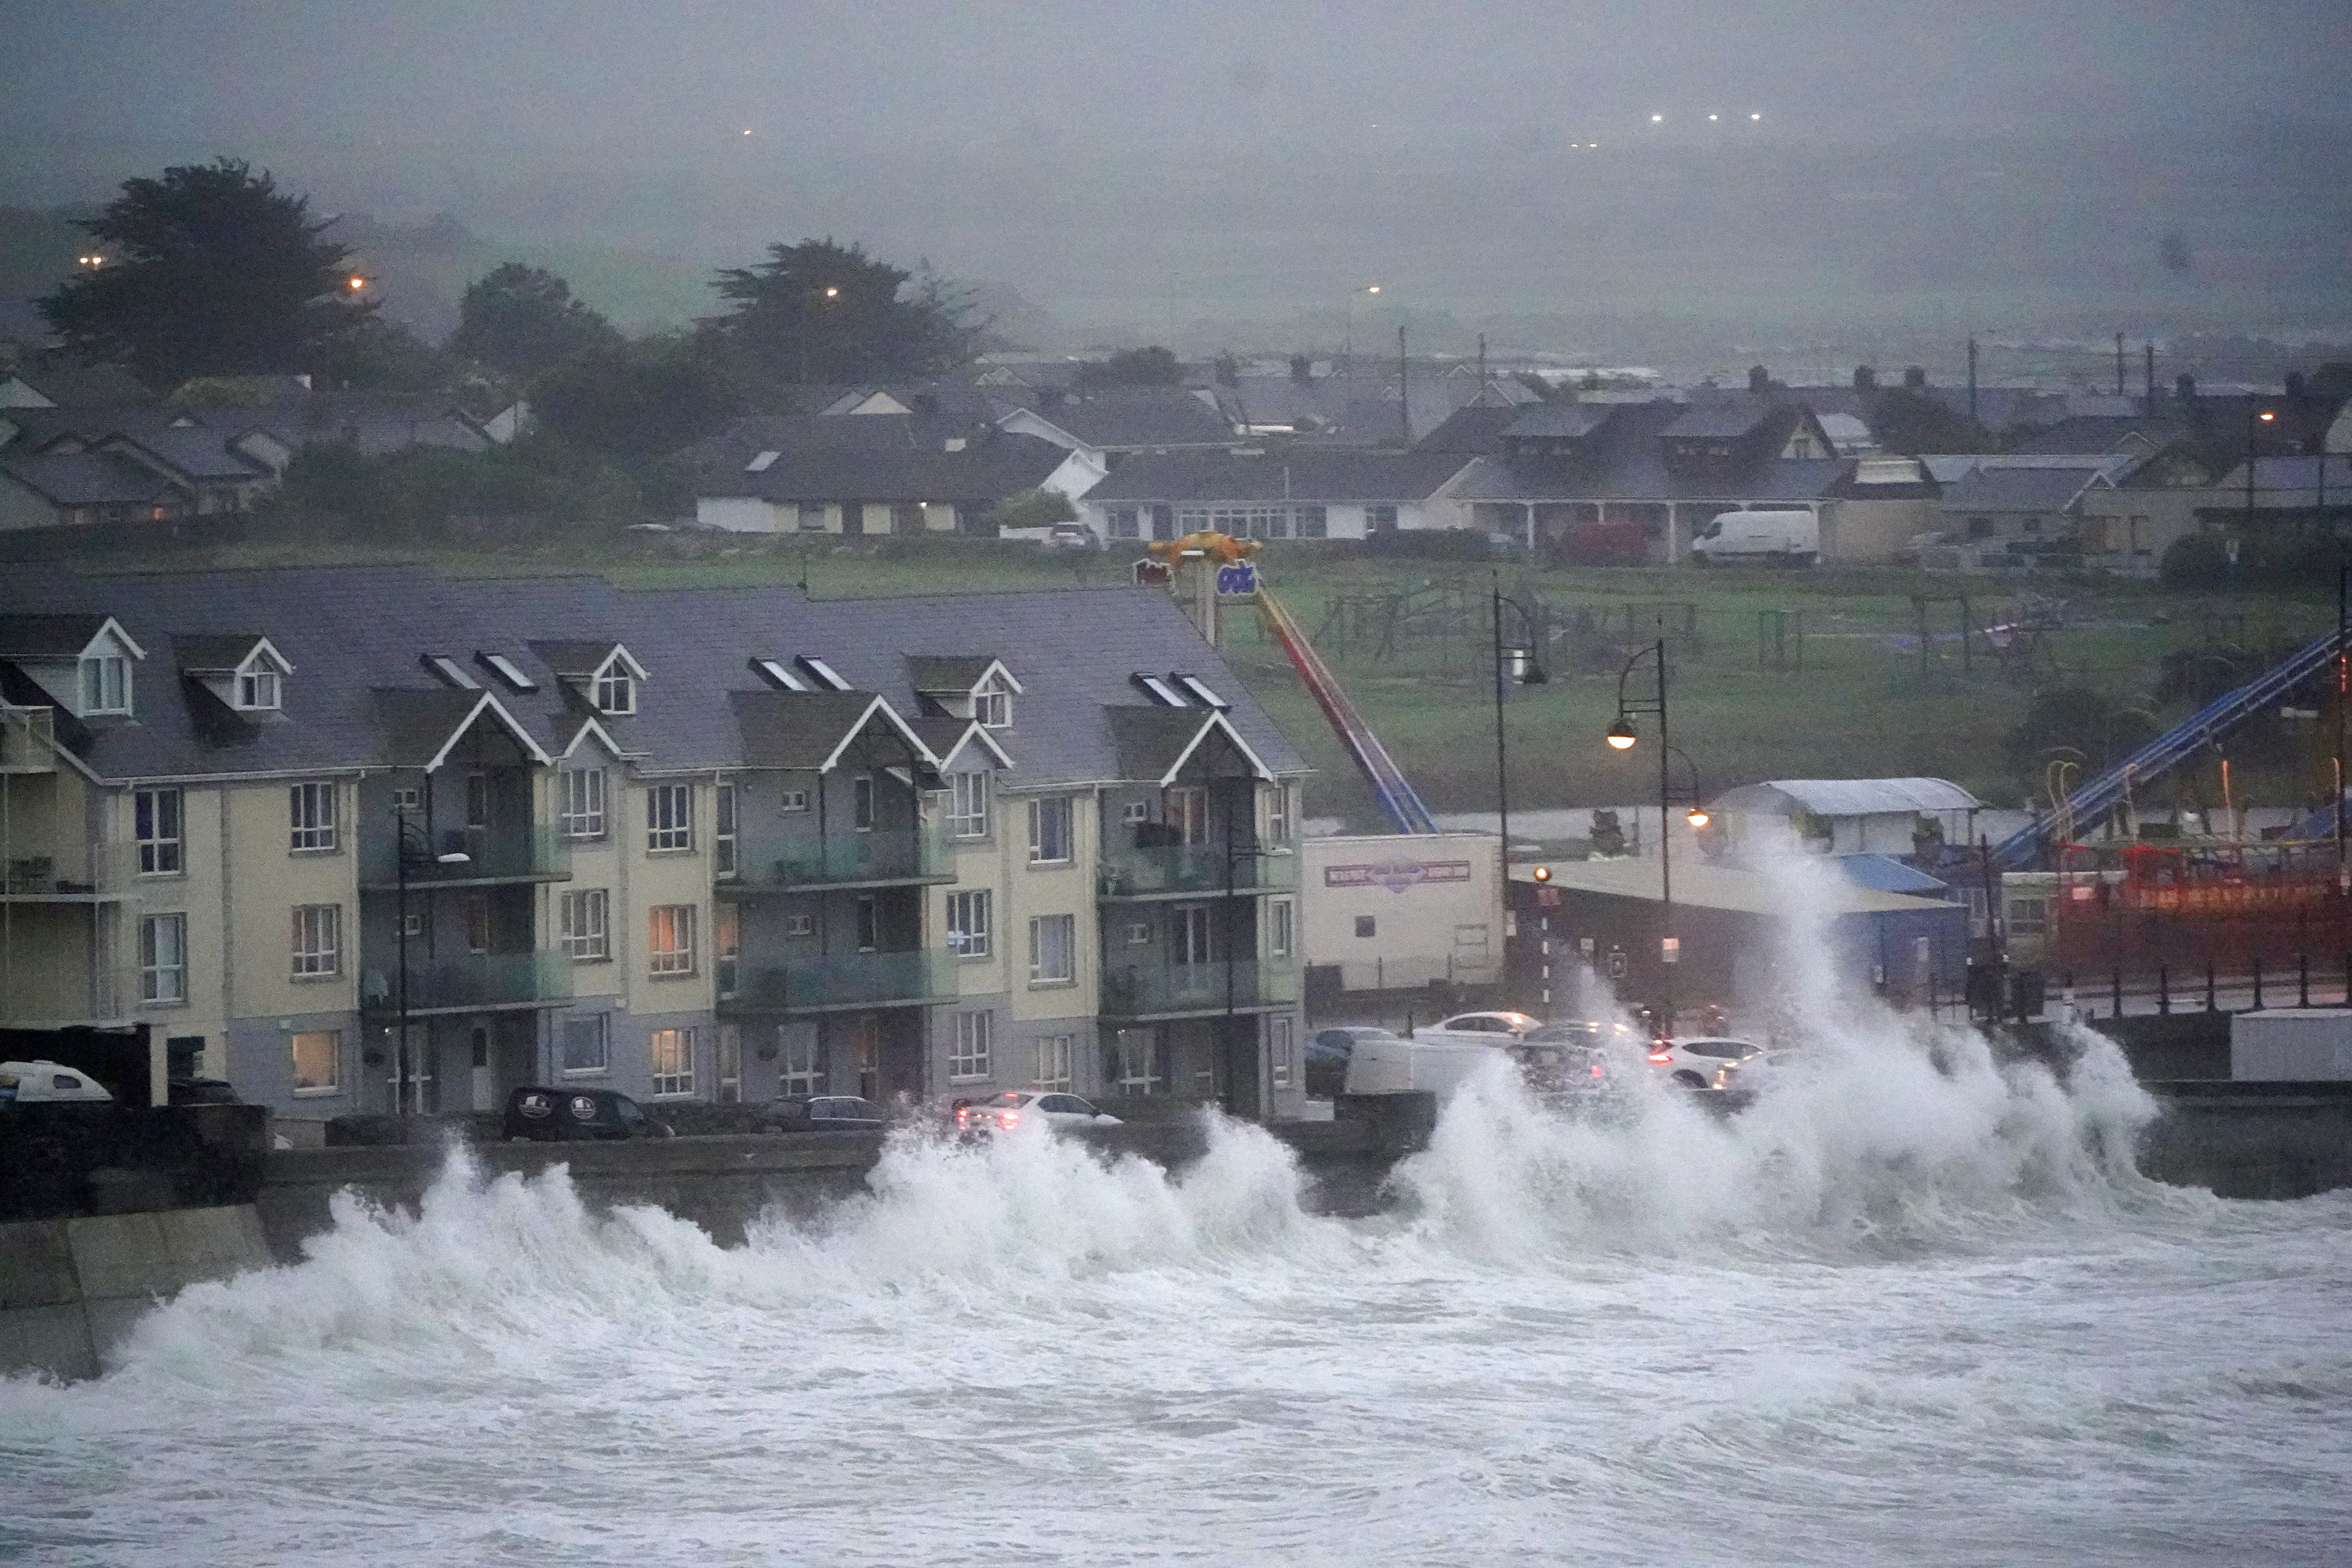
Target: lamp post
(1515,664)
(1621,736)
(413,843)
(1347,330)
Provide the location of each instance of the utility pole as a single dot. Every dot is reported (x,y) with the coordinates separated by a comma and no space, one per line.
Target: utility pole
(2119,364)
(1972,378)
(1404,390)
(2149,350)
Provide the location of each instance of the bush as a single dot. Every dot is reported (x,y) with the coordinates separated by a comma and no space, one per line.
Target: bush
(2195,563)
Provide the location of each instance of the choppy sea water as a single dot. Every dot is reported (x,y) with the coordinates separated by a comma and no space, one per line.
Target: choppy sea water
(1911,1307)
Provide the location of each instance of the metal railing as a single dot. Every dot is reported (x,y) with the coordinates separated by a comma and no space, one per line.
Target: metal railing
(847,980)
(483,980)
(1167,990)
(1156,870)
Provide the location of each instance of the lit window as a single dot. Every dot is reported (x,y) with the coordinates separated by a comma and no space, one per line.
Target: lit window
(318,941)
(310,810)
(968,923)
(670,817)
(156,813)
(1053,941)
(670,1055)
(669,940)
(969,1050)
(163,959)
(318,1061)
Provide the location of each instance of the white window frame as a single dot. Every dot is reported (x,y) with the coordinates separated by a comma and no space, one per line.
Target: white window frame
(669,940)
(669,819)
(865,803)
(311,813)
(317,941)
(1281,928)
(671,1049)
(725,805)
(105,681)
(161,853)
(968,923)
(1185,808)
(1278,814)
(614,689)
(799,925)
(1053,950)
(314,1089)
(586,917)
(800,1060)
(602,1026)
(1042,810)
(1055,1054)
(967,804)
(583,814)
(162,964)
(1136,1049)
(1281,1049)
(970,1046)
(991,705)
(1192,935)
(259,690)
(792,800)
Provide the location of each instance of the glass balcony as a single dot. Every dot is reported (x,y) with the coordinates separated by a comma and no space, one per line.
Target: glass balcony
(57,989)
(847,980)
(1162,990)
(74,873)
(540,853)
(482,983)
(1174,870)
(878,858)
(27,737)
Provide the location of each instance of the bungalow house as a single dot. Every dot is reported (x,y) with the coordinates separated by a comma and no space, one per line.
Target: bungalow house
(877,474)
(202,457)
(73,490)
(2015,514)
(1107,427)
(1305,492)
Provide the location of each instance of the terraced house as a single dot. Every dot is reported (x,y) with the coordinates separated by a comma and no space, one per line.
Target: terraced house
(368,840)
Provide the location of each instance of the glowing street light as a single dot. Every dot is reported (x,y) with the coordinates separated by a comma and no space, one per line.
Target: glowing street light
(355,282)
(1697,816)
(1755,116)
(1621,736)
(1657,119)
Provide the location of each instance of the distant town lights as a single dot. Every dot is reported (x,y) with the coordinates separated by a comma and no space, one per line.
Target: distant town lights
(92,260)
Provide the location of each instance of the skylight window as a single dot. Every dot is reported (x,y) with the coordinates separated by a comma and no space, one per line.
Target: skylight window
(779,675)
(1167,695)
(451,671)
(1200,689)
(508,671)
(760,464)
(824,673)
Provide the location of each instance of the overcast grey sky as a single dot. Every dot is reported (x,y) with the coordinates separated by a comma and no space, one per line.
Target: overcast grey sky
(846,74)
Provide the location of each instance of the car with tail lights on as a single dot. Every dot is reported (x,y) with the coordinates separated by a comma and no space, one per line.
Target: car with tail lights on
(1015,1107)
(1696,1061)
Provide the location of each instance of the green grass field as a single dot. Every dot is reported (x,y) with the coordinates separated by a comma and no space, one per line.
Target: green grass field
(1863,704)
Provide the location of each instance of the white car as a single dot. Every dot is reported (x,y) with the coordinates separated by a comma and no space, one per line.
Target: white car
(1480,1029)
(1696,1061)
(1750,1074)
(45,1082)
(1003,1112)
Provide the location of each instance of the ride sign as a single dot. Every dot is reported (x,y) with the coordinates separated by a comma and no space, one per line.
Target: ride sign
(1238,578)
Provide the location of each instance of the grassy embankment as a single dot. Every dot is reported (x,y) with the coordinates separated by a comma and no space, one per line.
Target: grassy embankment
(1862,704)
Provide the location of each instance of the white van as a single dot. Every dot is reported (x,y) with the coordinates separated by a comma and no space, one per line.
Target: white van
(44,1082)
(1392,1066)
(1792,538)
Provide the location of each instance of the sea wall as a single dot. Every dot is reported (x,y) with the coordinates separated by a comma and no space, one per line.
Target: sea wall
(70,1289)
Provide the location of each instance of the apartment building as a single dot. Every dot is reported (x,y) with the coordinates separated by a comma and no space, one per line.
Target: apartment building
(366,839)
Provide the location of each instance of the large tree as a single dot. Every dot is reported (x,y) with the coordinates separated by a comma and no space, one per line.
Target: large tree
(820,311)
(637,401)
(521,320)
(210,270)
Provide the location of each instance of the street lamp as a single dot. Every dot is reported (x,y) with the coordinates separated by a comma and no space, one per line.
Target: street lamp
(1517,664)
(2253,427)
(1347,317)
(412,845)
(1622,737)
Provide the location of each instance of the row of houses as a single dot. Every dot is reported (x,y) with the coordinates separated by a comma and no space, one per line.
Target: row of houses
(365,840)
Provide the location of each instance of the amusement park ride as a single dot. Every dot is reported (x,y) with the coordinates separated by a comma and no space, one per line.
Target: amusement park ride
(1219,569)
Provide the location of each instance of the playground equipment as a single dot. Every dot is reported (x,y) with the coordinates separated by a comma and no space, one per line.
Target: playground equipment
(2208,724)
(1221,568)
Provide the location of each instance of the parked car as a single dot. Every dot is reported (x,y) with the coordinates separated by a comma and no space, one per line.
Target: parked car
(48,1082)
(1692,1062)
(1003,1112)
(561,1115)
(1327,1052)
(203,1091)
(1481,1028)
(1062,536)
(1749,1074)
(821,1113)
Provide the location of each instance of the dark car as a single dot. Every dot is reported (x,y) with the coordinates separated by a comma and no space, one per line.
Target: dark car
(563,1115)
(203,1091)
(821,1113)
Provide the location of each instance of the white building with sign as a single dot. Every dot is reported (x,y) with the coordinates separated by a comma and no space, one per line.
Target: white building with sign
(1397,910)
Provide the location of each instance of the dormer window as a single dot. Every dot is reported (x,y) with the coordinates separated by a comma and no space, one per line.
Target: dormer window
(992,705)
(616,690)
(258,689)
(106,684)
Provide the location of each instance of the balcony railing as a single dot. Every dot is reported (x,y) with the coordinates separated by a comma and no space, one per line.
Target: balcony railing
(481,982)
(27,738)
(76,874)
(1171,869)
(55,994)
(540,853)
(1162,990)
(847,860)
(840,981)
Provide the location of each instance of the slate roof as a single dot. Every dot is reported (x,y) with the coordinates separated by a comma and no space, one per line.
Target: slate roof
(1846,797)
(39,637)
(1475,430)
(741,440)
(952,673)
(1560,421)
(1638,476)
(988,469)
(79,386)
(796,729)
(2097,432)
(2019,490)
(1141,417)
(1727,421)
(216,652)
(1713,885)
(1299,474)
(354,632)
(88,479)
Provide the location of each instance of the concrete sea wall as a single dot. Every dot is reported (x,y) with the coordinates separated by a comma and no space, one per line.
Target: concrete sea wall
(70,1289)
